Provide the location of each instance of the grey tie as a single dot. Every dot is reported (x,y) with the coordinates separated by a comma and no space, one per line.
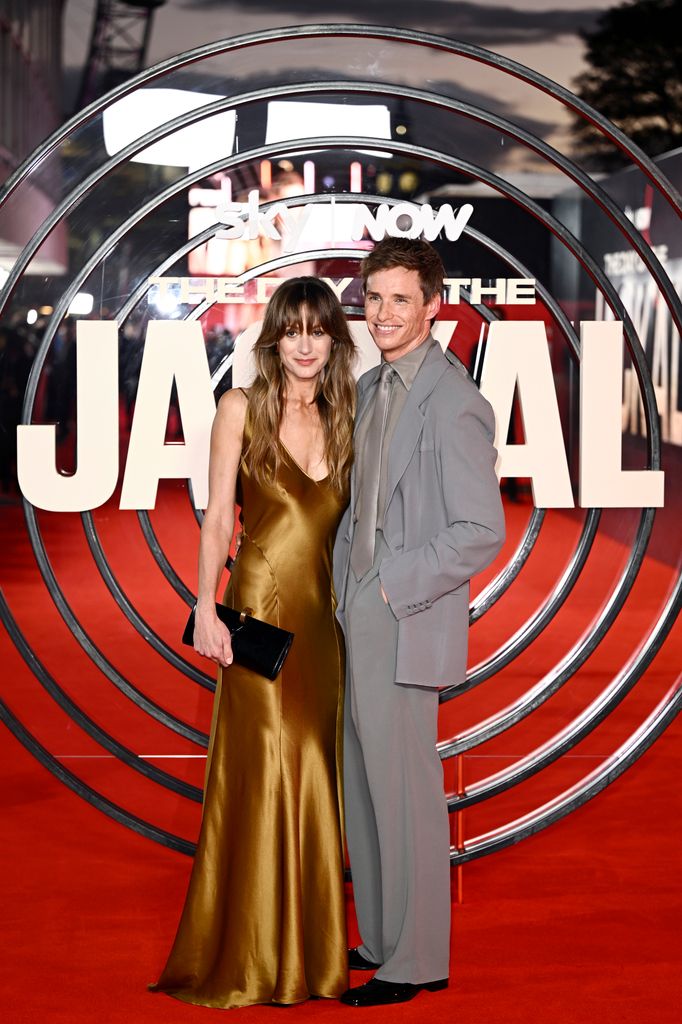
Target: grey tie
(362,553)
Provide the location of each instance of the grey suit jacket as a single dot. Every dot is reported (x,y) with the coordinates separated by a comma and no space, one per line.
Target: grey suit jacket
(443,522)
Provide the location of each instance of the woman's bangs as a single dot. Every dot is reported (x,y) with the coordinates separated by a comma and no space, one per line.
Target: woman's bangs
(307,315)
(303,302)
(319,310)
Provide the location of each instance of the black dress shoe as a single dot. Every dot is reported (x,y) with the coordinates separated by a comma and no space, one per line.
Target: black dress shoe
(358,962)
(383,993)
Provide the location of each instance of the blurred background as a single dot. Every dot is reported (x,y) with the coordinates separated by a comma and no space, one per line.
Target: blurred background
(575,611)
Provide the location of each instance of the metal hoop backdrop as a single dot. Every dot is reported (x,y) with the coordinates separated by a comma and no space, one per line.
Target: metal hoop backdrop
(176,711)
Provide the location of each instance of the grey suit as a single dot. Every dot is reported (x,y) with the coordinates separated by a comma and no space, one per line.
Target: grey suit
(442,523)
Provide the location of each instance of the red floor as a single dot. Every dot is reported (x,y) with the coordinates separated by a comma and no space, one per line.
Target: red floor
(579,924)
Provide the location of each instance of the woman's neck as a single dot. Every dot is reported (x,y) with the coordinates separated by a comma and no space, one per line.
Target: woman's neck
(300,393)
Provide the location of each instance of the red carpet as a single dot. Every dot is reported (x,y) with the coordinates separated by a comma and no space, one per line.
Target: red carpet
(580,923)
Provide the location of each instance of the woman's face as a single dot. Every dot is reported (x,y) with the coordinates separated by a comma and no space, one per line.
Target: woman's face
(305,348)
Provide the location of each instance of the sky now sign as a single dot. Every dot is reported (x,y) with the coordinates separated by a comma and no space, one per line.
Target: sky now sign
(340,222)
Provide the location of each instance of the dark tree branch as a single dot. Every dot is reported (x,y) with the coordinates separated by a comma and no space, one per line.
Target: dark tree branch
(634,79)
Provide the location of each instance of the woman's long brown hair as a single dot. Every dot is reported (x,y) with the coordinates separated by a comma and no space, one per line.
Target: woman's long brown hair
(299,300)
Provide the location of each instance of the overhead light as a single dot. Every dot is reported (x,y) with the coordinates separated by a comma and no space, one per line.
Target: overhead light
(294,119)
(31,316)
(166,302)
(81,304)
(408,181)
(195,146)
(384,181)
(265,174)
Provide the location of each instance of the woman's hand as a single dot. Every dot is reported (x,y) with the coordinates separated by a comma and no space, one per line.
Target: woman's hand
(212,637)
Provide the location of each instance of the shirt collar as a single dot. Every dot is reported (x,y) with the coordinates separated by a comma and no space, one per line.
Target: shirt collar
(407,366)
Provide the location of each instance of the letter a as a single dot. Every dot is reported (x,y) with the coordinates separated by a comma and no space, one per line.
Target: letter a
(97,441)
(173,351)
(517,354)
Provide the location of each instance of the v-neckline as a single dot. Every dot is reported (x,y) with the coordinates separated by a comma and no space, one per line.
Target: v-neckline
(300,468)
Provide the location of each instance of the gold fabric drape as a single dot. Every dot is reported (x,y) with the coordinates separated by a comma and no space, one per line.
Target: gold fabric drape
(264,918)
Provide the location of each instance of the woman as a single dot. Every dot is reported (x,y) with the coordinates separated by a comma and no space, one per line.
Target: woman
(264,918)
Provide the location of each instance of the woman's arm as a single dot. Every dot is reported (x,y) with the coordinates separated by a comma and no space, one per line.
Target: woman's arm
(211,636)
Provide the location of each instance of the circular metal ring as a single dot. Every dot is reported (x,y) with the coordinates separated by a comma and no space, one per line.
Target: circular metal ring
(662,715)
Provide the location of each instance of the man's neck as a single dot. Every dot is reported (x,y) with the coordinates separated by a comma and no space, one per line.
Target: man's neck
(391,357)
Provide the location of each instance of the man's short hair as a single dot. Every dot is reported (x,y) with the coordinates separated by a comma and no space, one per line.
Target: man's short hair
(412,254)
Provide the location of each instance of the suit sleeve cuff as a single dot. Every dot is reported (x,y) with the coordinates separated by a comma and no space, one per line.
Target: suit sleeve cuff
(400,602)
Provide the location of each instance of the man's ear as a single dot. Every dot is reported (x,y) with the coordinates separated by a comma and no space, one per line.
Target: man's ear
(432,307)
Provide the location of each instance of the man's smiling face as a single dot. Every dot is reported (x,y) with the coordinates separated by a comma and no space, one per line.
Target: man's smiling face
(397,316)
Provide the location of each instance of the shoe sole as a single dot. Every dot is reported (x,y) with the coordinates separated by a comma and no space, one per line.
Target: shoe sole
(429,986)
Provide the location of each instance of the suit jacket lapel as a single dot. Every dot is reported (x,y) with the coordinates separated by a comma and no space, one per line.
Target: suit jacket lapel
(411,423)
(366,392)
(364,395)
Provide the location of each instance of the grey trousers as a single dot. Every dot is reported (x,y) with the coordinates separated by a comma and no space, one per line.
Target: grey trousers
(396,813)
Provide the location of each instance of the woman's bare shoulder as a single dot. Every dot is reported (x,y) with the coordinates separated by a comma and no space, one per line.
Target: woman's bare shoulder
(231,411)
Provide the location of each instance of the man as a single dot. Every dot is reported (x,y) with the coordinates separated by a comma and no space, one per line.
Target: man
(424,516)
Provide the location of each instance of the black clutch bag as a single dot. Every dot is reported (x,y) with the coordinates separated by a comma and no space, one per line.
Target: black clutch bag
(256,645)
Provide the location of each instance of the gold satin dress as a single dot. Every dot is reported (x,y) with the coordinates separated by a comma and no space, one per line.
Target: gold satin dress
(264,917)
